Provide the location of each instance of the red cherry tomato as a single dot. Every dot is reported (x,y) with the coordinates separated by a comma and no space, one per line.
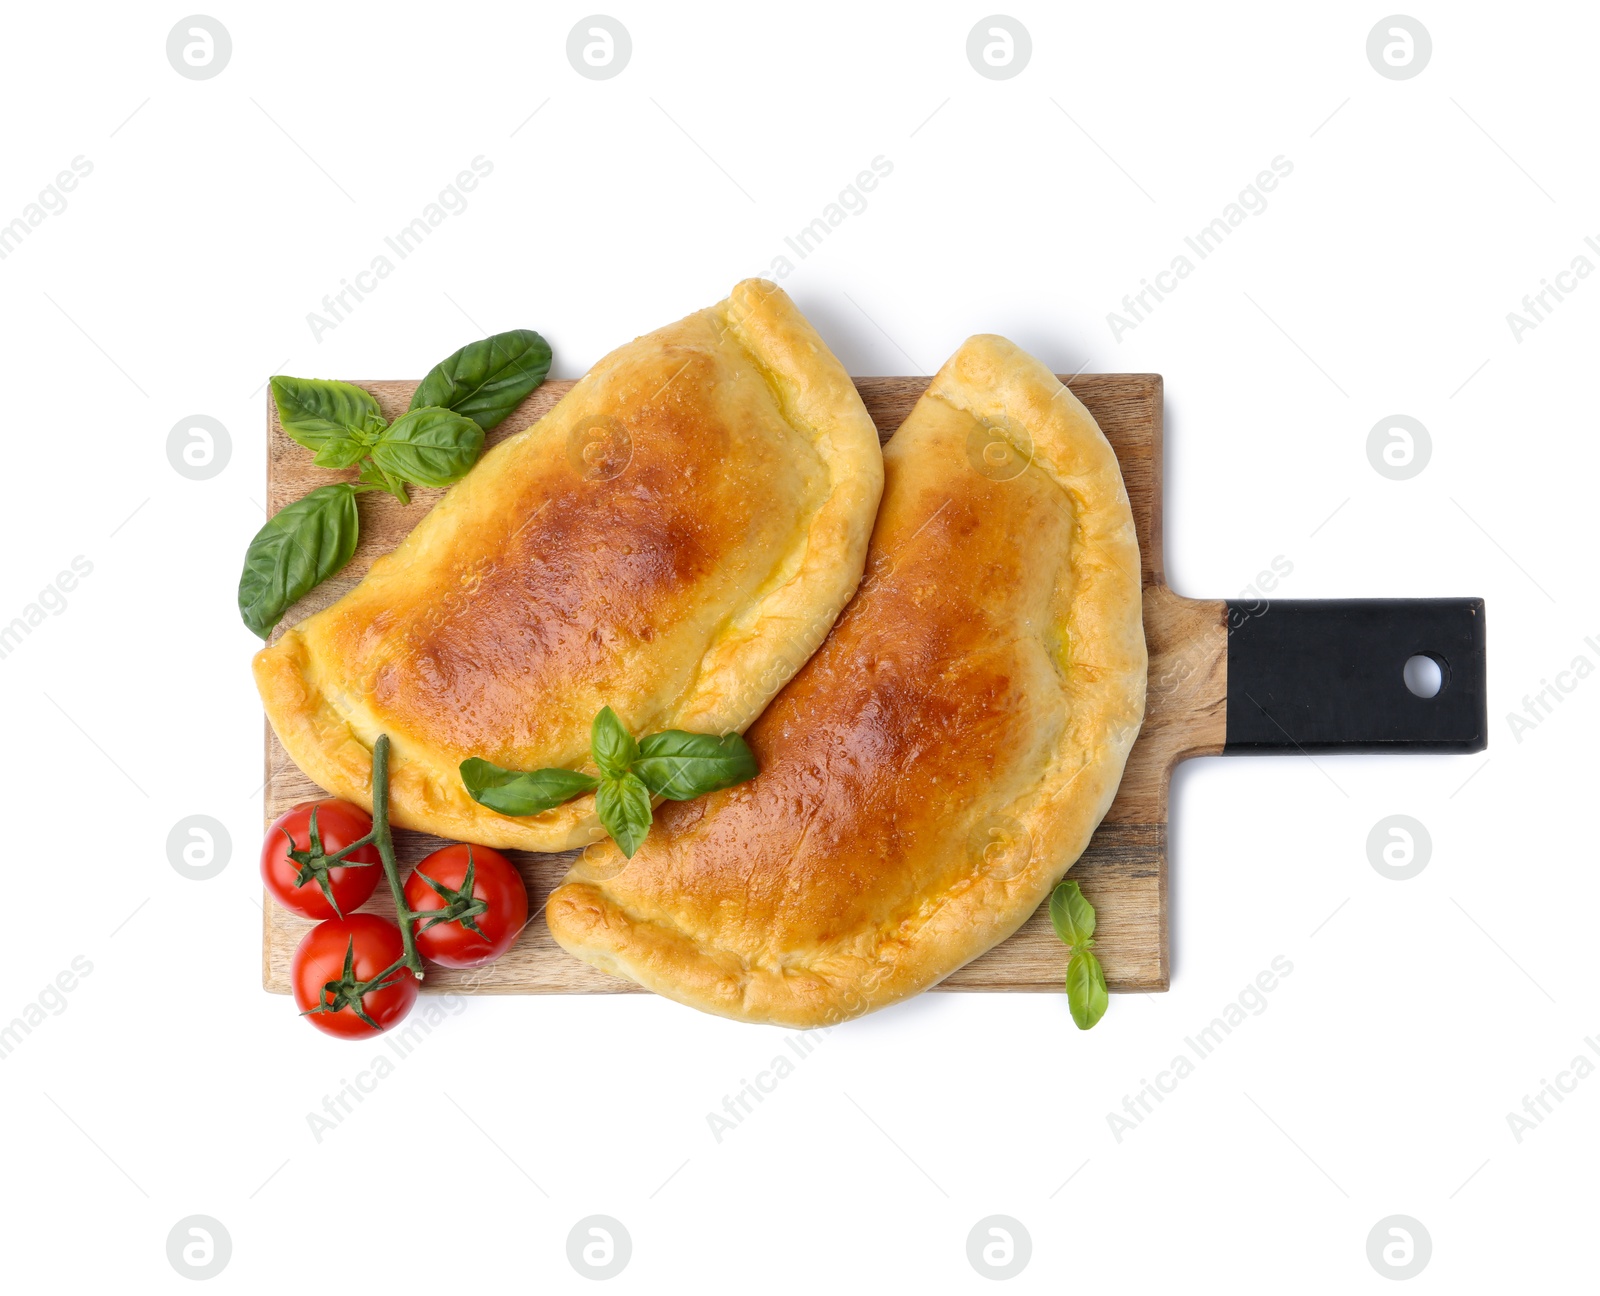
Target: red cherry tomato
(338,824)
(440,883)
(368,944)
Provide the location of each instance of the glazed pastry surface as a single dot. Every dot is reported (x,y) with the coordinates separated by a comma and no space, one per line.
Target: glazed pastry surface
(676,534)
(929,775)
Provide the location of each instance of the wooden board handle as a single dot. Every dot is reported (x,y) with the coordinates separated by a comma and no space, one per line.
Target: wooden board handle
(1329,676)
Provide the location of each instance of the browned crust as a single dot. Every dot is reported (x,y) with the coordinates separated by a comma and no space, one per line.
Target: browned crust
(804,948)
(328,729)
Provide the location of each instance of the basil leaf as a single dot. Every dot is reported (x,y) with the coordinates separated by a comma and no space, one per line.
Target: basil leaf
(1071,915)
(429,446)
(339,452)
(315,410)
(612,746)
(299,548)
(374,478)
(522,792)
(1086,989)
(623,805)
(681,766)
(487,380)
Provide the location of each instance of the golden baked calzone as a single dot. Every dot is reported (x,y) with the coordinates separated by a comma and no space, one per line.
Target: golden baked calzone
(940,762)
(698,557)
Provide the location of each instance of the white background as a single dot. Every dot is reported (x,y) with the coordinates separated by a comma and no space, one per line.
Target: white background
(1379,1078)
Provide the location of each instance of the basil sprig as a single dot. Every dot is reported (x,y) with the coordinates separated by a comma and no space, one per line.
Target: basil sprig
(1073,918)
(428,445)
(433,443)
(672,764)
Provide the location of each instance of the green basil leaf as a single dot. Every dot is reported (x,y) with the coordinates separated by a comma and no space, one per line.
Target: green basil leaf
(522,792)
(315,410)
(429,446)
(1086,989)
(487,380)
(339,452)
(623,805)
(681,766)
(374,478)
(1071,914)
(299,548)
(611,744)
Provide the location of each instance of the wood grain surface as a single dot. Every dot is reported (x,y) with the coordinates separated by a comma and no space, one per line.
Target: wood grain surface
(1124,870)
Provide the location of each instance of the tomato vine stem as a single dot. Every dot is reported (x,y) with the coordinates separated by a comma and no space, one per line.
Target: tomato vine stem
(383,839)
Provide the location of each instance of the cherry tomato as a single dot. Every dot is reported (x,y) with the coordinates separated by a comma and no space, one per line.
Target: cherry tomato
(338,824)
(496,904)
(335,958)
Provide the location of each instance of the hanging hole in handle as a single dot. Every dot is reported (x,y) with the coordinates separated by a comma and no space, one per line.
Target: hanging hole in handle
(1424,676)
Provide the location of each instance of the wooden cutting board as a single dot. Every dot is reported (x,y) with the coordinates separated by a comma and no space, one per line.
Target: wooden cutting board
(1124,870)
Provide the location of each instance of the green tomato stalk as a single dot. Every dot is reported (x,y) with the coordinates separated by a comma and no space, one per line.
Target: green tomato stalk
(383,839)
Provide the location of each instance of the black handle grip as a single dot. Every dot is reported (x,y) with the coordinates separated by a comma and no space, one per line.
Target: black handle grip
(1327,675)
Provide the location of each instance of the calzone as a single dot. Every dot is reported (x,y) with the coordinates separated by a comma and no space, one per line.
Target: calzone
(934,769)
(673,539)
